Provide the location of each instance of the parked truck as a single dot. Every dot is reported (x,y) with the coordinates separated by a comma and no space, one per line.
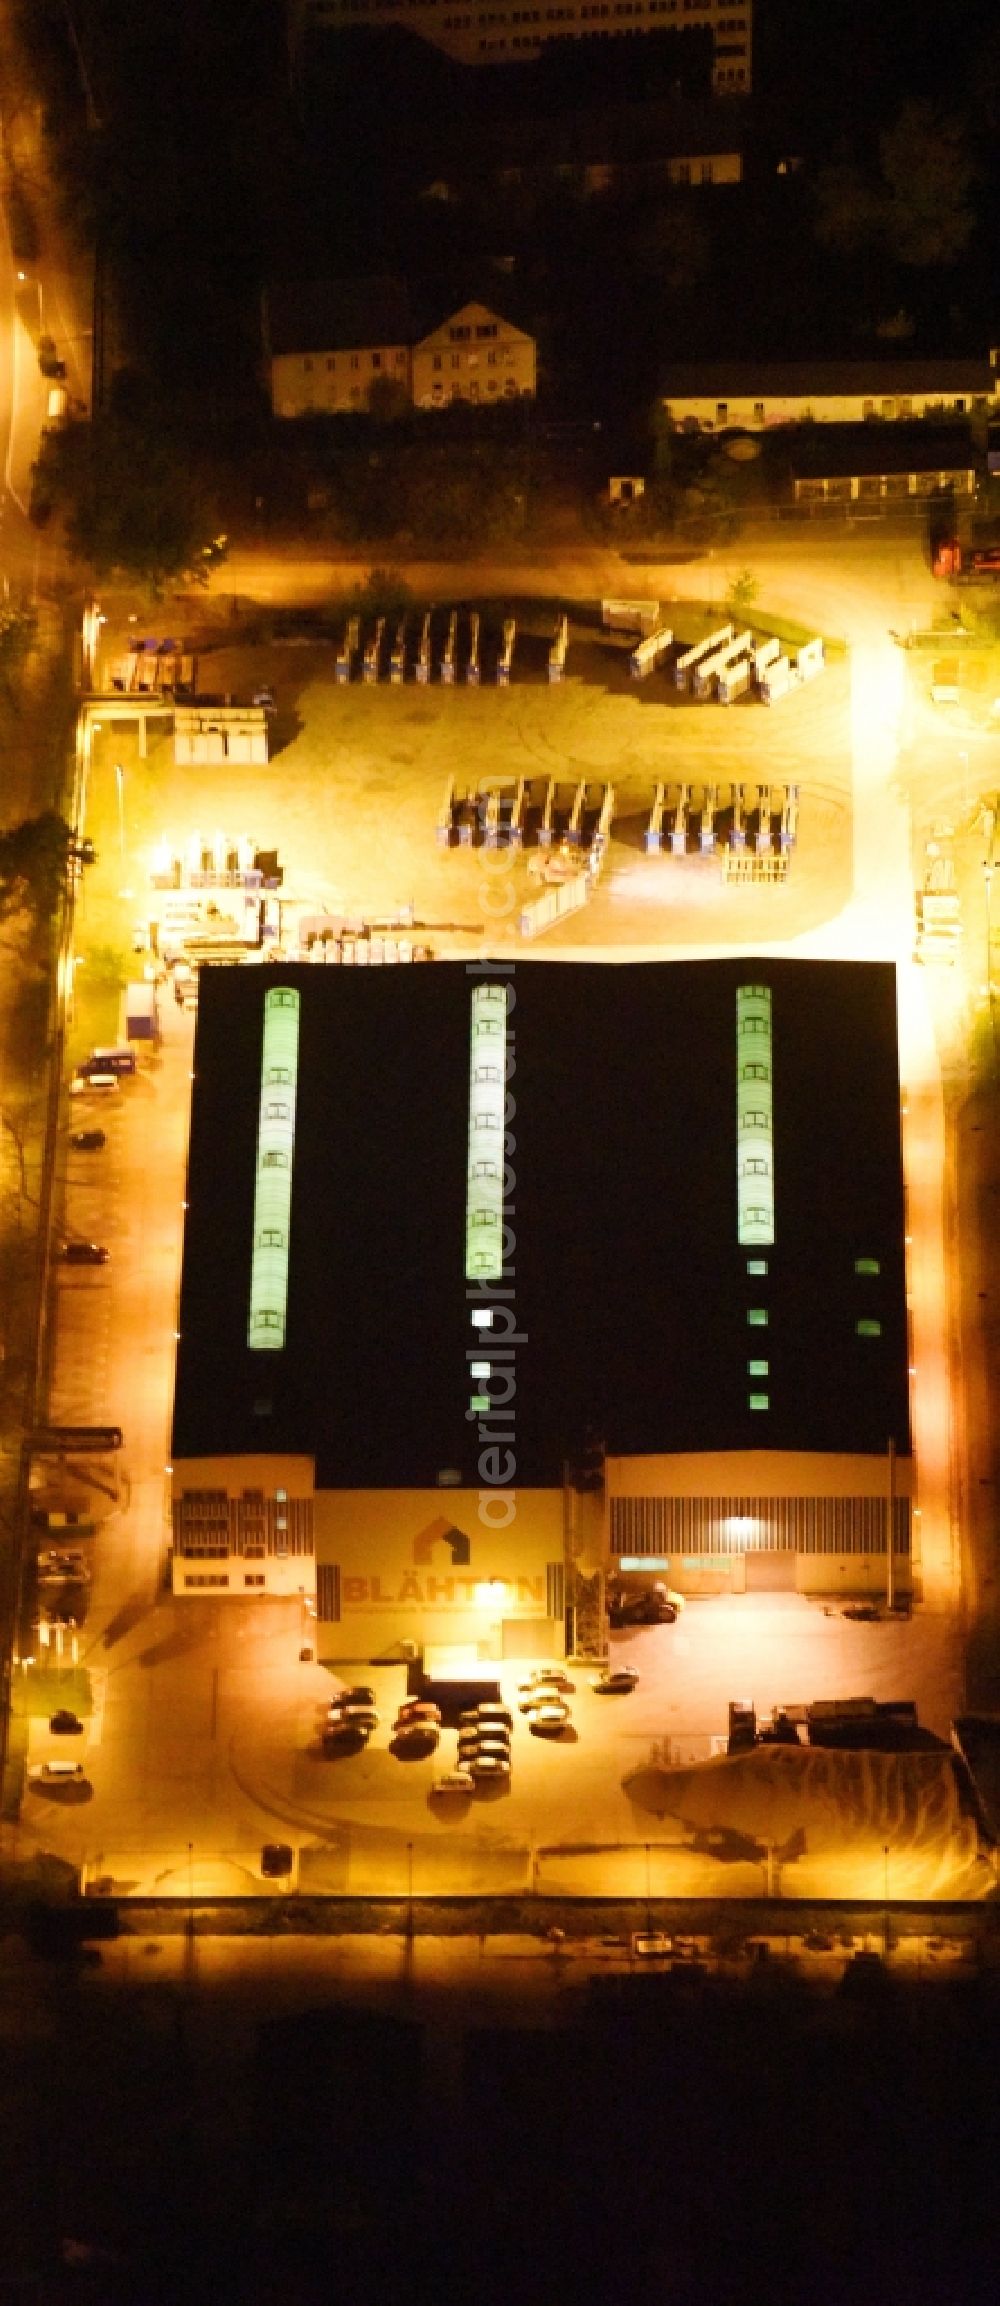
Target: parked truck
(141,1021)
(966,563)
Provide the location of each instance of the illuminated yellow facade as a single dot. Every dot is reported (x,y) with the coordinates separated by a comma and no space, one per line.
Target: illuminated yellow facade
(736,1521)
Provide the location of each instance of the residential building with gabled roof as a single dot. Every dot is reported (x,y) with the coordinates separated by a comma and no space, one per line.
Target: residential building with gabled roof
(473,355)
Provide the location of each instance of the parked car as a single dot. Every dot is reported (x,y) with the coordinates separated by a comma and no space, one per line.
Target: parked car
(469,1755)
(458,1781)
(55,1568)
(616,1681)
(548,1718)
(415,1737)
(65,1724)
(345,1736)
(84,1253)
(359,1693)
(642,1609)
(473,1732)
(537,1693)
(352,1715)
(54,1773)
(495,1713)
(490,1765)
(553,1676)
(88,1140)
(416,1709)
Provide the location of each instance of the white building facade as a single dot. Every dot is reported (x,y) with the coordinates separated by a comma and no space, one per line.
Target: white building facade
(474,355)
(723,397)
(321,383)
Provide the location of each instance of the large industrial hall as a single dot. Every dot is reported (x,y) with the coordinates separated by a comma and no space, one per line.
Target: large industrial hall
(501,1283)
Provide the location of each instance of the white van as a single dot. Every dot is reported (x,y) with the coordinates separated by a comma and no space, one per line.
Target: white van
(104,1083)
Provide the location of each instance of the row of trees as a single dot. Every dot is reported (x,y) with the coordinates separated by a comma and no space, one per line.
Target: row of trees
(36,858)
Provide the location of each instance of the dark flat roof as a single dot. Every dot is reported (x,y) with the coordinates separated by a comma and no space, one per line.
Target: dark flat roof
(822,451)
(757,379)
(338,315)
(631,1288)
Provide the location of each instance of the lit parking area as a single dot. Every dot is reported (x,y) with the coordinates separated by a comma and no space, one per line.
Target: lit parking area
(633,1797)
(204,1738)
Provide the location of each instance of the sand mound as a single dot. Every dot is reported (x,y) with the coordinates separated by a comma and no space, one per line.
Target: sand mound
(828,1817)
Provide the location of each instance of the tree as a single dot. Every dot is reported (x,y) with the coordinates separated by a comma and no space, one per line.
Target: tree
(133,504)
(35,858)
(388,400)
(671,248)
(927,176)
(916,209)
(16,629)
(848,209)
(742,590)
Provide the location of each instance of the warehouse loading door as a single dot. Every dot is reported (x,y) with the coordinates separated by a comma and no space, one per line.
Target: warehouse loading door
(770,1572)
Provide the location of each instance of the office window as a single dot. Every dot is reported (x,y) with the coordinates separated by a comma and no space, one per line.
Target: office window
(758,1368)
(867,1265)
(760,1401)
(757,1317)
(756,1264)
(868,1328)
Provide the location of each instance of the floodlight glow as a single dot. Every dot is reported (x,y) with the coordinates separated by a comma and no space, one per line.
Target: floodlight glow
(487,1092)
(754,1115)
(739,1528)
(272,1207)
(491,1593)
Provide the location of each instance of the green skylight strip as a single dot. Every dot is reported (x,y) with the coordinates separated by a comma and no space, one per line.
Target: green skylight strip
(754,1116)
(484,1225)
(272,1205)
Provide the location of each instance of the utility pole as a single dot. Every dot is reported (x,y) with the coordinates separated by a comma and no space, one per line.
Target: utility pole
(890,1579)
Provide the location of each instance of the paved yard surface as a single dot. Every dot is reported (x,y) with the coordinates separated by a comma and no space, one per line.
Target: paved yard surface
(202,1740)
